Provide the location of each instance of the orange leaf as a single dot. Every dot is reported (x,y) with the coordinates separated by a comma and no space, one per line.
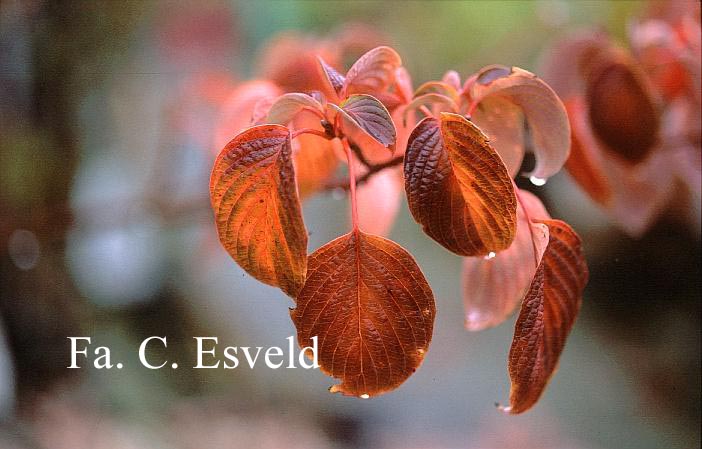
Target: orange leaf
(257,210)
(546,317)
(315,158)
(372,310)
(543,110)
(457,187)
(373,72)
(494,286)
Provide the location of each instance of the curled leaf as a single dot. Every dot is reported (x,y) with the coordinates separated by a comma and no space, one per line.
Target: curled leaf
(287,106)
(494,286)
(335,79)
(373,72)
(437,87)
(543,110)
(370,307)
(434,101)
(503,123)
(257,210)
(457,187)
(628,123)
(546,316)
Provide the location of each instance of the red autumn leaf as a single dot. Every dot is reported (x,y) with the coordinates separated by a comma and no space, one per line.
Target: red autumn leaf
(457,187)
(371,309)
(287,106)
(543,110)
(627,124)
(635,195)
(494,285)
(373,72)
(546,316)
(257,210)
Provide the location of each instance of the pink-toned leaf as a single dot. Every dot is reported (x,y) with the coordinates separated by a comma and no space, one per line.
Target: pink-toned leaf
(237,111)
(453,79)
(503,123)
(434,101)
(379,200)
(494,286)
(543,110)
(437,87)
(373,72)
(287,106)
(546,317)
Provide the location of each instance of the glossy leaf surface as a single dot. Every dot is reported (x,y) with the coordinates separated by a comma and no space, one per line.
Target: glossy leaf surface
(457,187)
(257,210)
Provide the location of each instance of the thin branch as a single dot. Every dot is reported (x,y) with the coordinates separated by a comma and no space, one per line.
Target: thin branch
(372,170)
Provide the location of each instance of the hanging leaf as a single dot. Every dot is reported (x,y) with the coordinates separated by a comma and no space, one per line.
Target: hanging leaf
(584,163)
(546,316)
(543,110)
(287,106)
(257,210)
(370,307)
(457,187)
(373,72)
(494,285)
(628,123)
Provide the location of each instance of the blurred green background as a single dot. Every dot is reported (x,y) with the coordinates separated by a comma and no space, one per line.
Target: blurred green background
(106,231)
